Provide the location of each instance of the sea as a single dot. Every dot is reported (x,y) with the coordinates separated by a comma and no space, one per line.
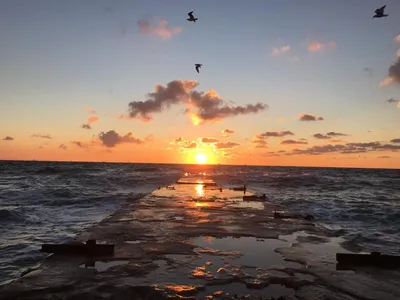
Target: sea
(50,202)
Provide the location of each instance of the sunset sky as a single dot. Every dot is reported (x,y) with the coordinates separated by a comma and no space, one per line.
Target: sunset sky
(281,84)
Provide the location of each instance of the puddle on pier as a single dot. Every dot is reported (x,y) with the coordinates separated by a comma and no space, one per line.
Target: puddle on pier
(101,266)
(238,265)
(254,253)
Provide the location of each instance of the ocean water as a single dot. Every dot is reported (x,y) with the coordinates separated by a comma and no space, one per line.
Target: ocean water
(44,202)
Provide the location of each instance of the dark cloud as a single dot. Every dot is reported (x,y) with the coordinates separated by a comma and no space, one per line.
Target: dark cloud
(203,107)
(62,146)
(308,117)
(383,156)
(276,133)
(349,148)
(394,71)
(293,142)
(111,138)
(178,141)
(86,126)
(210,107)
(42,136)
(395,141)
(8,138)
(79,144)
(260,143)
(332,134)
(227,131)
(226,145)
(321,136)
(209,140)
(391,100)
(328,135)
(192,145)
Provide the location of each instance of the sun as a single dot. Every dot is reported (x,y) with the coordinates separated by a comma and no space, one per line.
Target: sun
(201,158)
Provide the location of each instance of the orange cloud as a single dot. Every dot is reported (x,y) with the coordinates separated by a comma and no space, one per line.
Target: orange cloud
(397,39)
(387,81)
(161,29)
(92,119)
(318,46)
(280,50)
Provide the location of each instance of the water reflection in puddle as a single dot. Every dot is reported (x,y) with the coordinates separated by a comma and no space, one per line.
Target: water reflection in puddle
(101,266)
(254,252)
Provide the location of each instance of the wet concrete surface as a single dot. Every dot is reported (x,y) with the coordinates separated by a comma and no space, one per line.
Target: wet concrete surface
(196,242)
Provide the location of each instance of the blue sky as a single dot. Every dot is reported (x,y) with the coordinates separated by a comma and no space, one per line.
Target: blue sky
(58,57)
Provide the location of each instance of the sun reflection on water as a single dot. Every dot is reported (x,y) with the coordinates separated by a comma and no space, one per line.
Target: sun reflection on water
(199,190)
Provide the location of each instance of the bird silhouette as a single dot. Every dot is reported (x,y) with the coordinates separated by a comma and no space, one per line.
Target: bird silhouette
(380,12)
(198,66)
(191,17)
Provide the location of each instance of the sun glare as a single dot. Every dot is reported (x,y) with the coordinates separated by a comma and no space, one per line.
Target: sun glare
(201,158)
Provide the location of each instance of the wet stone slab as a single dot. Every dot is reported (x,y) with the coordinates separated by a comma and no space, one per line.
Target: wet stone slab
(191,241)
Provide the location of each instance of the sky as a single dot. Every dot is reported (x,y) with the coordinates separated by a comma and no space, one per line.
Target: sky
(280,84)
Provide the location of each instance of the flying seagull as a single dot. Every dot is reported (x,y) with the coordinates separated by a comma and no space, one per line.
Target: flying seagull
(380,12)
(191,17)
(198,66)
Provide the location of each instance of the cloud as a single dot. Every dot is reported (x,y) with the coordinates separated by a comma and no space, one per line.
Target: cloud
(91,119)
(395,141)
(111,138)
(227,132)
(209,140)
(42,136)
(227,145)
(62,146)
(335,141)
(349,148)
(276,133)
(328,135)
(293,142)
(398,53)
(149,138)
(280,50)
(397,39)
(383,156)
(178,141)
(260,141)
(393,74)
(321,136)
(398,105)
(78,144)
(203,106)
(89,110)
(332,133)
(192,145)
(387,81)
(391,100)
(318,46)
(309,117)
(160,29)
(8,138)
(86,126)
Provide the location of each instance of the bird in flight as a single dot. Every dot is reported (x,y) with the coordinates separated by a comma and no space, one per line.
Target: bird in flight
(380,12)
(191,17)
(198,66)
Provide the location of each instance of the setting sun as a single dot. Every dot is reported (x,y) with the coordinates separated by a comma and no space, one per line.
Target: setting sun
(201,158)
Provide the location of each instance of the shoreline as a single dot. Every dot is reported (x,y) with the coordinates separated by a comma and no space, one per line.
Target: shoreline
(198,242)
